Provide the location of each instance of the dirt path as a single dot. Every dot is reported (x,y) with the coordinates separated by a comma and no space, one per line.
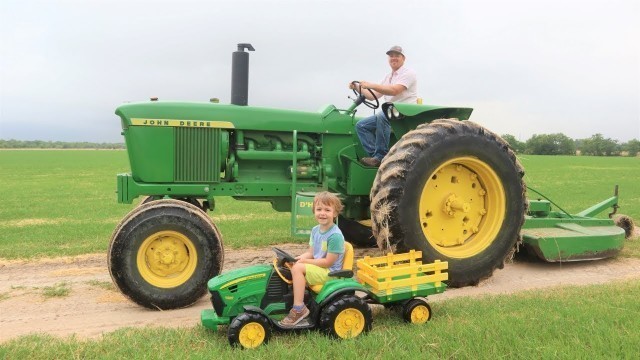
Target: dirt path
(93,307)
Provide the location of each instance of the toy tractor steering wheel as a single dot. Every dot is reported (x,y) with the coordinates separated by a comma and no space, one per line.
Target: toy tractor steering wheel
(283,257)
(372,104)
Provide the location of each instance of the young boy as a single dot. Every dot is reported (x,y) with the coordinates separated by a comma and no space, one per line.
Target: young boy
(325,254)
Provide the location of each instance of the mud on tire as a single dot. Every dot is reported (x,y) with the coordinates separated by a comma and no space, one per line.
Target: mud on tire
(453,190)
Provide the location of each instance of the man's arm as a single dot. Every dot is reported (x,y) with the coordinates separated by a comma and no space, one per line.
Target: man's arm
(389,90)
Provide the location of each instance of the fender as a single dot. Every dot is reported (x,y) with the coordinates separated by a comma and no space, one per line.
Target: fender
(409,116)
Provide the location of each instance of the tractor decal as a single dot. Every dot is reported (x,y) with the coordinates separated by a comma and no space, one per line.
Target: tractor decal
(182,123)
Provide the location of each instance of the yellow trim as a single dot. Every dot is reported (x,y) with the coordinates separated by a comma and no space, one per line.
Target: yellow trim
(182,123)
(167,259)
(251,335)
(256,276)
(462,207)
(349,323)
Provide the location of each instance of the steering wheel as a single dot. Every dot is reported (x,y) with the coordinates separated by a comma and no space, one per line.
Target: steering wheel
(372,104)
(283,256)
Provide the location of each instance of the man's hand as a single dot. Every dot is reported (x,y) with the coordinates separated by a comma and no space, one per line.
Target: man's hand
(366,85)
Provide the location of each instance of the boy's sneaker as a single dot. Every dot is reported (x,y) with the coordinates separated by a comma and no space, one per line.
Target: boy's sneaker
(294,317)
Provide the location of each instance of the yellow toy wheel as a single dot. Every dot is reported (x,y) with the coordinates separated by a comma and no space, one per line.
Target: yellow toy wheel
(416,311)
(249,330)
(346,317)
(454,191)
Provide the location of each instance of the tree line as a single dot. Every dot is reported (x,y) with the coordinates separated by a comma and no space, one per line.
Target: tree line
(40,144)
(560,144)
(542,144)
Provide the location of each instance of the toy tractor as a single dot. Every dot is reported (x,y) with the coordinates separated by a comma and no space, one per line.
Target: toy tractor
(252,300)
(448,187)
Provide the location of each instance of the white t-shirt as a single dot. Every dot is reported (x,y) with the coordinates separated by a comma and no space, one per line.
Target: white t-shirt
(406,77)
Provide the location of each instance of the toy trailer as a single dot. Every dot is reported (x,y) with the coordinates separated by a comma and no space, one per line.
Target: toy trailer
(403,280)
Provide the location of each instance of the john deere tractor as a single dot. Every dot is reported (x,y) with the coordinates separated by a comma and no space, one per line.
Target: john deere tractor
(448,187)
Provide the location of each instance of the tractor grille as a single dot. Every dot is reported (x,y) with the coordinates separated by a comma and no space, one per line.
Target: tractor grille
(197,155)
(216,301)
(276,289)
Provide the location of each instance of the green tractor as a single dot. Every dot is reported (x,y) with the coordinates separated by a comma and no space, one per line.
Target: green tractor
(448,187)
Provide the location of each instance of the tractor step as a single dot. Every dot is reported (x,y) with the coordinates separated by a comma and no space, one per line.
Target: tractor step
(302,220)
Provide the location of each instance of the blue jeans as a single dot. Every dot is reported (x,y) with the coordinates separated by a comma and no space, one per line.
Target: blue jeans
(374,132)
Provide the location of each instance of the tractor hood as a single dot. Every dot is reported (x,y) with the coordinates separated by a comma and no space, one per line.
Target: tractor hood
(200,114)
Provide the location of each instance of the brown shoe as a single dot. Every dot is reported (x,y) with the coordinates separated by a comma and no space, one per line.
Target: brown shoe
(294,317)
(370,161)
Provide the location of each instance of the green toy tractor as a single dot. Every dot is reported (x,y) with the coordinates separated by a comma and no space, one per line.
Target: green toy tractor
(251,300)
(448,187)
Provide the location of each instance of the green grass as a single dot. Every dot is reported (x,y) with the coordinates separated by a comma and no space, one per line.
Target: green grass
(105,285)
(572,323)
(57,203)
(60,289)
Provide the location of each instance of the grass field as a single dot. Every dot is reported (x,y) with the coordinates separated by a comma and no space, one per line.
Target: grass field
(58,203)
(591,322)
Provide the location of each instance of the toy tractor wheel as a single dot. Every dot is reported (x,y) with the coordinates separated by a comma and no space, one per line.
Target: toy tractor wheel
(453,190)
(346,317)
(416,311)
(163,253)
(249,330)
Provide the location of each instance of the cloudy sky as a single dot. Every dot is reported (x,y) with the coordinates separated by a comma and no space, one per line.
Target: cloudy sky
(526,67)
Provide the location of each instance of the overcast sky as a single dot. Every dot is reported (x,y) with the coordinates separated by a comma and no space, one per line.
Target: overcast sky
(526,67)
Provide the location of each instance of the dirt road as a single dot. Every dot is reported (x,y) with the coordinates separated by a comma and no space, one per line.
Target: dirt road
(93,307)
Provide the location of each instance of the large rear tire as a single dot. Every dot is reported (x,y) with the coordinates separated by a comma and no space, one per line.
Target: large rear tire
(453,190)
(163,253)
(357,233)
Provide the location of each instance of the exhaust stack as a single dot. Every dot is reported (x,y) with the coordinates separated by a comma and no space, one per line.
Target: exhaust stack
(240,75)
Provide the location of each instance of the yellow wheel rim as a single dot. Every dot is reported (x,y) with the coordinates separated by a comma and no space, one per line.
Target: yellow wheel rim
(252,335)
(420,314)
(462,207)
(167,259)
(349,323)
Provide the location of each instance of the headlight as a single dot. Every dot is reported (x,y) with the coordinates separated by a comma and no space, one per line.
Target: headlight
(393,113)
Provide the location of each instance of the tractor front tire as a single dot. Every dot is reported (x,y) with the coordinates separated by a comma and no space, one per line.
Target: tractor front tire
(454,191)
(346,317)
(163,253)
(249,330)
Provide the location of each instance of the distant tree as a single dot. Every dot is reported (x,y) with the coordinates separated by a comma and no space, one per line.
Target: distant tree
(517,146)
(599,146)
(550,144)
(632,147)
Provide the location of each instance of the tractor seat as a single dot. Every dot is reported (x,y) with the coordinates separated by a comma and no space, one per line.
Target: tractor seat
(347,268)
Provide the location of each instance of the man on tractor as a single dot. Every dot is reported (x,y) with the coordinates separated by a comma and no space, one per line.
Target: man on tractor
(400,85)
